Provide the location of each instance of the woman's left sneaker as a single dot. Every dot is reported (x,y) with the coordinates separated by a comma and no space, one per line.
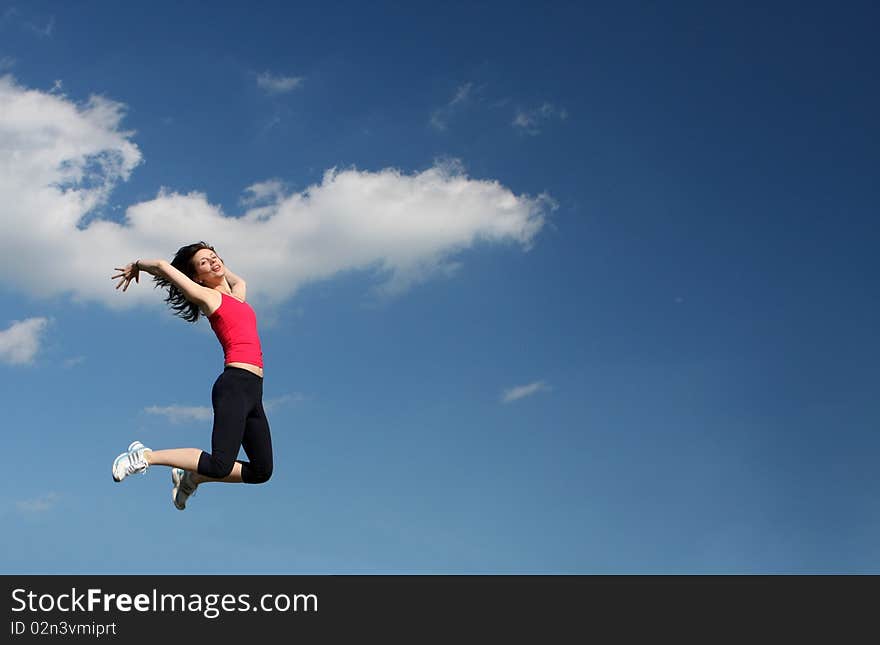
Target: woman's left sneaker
(130,462)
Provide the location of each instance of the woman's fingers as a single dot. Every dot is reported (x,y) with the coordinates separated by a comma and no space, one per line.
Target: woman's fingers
(125,277)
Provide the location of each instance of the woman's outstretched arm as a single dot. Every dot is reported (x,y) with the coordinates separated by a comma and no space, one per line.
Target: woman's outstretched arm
(194,292)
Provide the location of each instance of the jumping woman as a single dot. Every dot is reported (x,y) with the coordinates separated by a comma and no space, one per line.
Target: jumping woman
(199,284)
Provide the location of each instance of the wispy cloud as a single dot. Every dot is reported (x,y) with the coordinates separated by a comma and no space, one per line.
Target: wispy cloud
(531,121)
(20,343)
(441,116)
(182,413)
(44,30)
(73,361)
(6,63)
(285,399)
(38,505)
(40,27)
(522,391)
(274,84)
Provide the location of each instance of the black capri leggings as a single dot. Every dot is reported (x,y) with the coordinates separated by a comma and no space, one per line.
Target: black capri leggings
(239,421)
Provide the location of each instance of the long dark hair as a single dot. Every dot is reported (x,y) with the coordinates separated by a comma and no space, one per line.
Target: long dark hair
(176,299)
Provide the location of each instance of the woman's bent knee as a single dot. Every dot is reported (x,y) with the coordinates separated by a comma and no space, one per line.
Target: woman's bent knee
(258,475)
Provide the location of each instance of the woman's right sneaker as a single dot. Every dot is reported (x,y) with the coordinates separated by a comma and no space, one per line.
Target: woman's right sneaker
(130,462)
(184,487)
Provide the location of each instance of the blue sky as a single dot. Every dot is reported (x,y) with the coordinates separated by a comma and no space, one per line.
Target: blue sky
(560,288)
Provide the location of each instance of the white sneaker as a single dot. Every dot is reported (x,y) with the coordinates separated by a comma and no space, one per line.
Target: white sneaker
(184,487)
(130,462)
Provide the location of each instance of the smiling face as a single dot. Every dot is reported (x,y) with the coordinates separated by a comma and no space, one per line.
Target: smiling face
(208,267)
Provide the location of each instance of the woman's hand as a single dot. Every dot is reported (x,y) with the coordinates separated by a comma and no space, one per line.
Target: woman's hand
(127,274)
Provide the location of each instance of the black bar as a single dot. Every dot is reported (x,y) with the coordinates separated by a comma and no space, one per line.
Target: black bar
(402,608)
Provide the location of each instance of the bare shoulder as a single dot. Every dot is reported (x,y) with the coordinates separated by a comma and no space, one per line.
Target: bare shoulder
(211,302)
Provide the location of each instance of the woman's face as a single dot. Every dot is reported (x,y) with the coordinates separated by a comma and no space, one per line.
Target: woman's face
(209,268)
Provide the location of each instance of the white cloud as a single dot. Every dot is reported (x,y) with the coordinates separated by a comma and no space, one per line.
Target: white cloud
(181,413)
(529,120)
(273,84)
(264,192)
(60,160)
(38,505)
(522,391)
(20,343)
(6,63)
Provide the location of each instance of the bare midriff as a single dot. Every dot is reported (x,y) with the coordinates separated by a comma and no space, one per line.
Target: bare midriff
(254,369)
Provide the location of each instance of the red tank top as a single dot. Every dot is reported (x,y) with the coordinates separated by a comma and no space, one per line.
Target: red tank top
(235,324)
